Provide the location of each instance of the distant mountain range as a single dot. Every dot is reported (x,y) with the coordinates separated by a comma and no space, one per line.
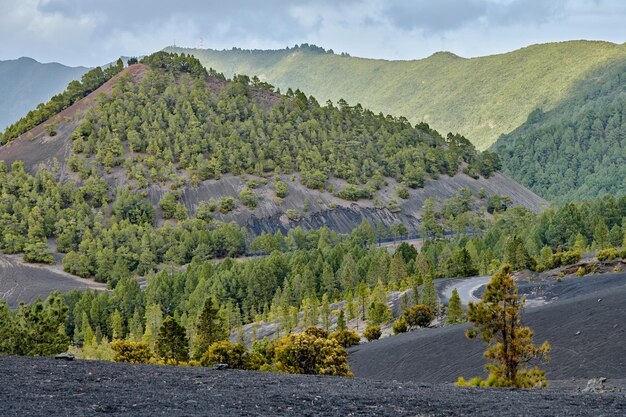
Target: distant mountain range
(24,83)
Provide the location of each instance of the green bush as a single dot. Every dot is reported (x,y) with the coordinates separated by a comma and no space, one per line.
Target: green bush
(402,192)
(419,315)
(346,338)
(353,193)
(378,313)
(281,189)
(225,352)
(38,253)
(316,332)
(292,215)
(372,333)
(248,198)
(227,204)
(400,326)
(565,258)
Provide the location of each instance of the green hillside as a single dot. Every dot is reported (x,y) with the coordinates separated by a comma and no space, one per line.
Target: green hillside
(169,124)
(578,149)
(481,98)
(24,83)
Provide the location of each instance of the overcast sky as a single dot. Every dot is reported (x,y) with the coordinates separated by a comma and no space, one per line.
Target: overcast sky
(94,32)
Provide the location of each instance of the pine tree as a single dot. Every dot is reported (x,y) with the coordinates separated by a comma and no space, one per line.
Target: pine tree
(580,243)
(429,294)
(429,227)
(454,310)
(172,343)
(397,268)
(41,327)
(341,321)
(326,313)
(497,321)
(8,331)
(117,325)
(328,281)
(363,298)
(310,312)
(348,273)
(210,328)
(154,320)
(601,235)
(135,327)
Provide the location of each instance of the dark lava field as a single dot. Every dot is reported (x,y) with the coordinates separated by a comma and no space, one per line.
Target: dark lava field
(49,387)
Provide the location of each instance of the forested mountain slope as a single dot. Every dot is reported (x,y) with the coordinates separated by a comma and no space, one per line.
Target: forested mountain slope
(25,82)
(480,97)
(577,150)
(148,163)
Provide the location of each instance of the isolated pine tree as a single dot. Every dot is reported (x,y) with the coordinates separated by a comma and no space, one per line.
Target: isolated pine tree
(497,321)
(454,310)
(210,328)
(172,343)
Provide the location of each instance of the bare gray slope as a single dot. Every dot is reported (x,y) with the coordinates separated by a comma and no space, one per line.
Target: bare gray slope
(84,388)
(20,282)
(587,334)
(324,209)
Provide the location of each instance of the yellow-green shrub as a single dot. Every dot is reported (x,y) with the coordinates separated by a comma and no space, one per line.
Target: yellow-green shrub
(372,333)
(233,354)
(565,258)
(400,326)
(607,254)
(132,352)
(307,354)
(346,338)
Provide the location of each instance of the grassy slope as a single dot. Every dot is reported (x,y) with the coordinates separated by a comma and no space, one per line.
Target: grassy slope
(481,98)
(24,83)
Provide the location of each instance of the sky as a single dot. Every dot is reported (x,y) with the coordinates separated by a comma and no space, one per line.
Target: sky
(95,32)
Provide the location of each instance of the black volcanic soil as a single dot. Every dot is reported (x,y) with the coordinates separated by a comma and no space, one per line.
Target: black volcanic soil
(587,333)
(44,386)
(26,282)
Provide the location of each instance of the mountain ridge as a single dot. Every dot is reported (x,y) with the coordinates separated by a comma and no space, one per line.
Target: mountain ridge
(469,95)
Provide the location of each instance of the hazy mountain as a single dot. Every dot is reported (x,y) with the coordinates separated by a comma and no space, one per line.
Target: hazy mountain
(24,83)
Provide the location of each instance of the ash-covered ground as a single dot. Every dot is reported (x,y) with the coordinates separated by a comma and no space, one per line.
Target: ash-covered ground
(48,387)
